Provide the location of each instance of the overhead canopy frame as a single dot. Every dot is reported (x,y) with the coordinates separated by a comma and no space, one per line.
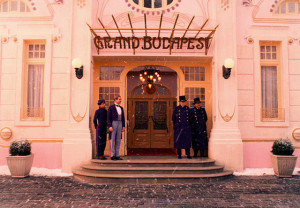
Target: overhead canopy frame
(208,32)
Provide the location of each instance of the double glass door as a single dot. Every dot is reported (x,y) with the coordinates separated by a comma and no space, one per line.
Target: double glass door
(150,123)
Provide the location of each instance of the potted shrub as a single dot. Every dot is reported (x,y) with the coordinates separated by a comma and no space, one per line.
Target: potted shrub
(20,160)
(283,159)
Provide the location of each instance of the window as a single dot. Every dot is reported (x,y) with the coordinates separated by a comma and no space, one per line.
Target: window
(193,92)
(110,72)
(154,5)
(108,94)
(33,88)
(289,7)
(270,82)
(193,73)
(14,6)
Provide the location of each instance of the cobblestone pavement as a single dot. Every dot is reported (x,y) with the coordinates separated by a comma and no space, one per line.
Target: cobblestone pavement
(238,191)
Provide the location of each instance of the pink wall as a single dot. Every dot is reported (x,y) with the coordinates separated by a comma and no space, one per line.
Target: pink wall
(257,155)
(46,155)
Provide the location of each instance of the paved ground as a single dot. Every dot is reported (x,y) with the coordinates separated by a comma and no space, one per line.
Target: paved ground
(238,191)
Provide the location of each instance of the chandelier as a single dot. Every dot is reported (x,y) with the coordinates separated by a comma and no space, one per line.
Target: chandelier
(150,75)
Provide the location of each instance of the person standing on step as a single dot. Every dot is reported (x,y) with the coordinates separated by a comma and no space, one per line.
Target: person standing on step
(198,118)
(182,129)
(116,124)
(100,123)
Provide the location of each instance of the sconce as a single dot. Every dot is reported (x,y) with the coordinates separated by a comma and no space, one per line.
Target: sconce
(77,65)
(228,65)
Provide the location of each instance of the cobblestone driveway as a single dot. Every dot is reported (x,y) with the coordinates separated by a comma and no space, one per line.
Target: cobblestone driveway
(239,191)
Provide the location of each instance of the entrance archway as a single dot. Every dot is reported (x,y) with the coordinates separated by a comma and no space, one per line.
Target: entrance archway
(150,129)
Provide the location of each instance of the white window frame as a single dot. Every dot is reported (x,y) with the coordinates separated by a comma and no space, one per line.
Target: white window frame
(27,4)
(266,34)
(20,79)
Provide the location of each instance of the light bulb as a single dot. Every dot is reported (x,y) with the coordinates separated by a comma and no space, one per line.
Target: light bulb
(159,78)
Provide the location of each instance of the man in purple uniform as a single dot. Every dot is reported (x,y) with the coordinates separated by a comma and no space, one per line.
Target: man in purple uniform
(116,124)
(182,129)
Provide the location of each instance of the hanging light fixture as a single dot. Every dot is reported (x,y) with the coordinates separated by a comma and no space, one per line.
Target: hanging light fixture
(150,75)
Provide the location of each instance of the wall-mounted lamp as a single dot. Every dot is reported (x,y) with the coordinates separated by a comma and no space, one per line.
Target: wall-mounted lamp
(228,65)
(77,65)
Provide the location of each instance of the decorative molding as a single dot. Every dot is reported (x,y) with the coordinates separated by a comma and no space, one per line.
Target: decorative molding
(4,39)
(32,17)
(247,3)
(6,133)
(227,117)
(78,118)
(296,134)
(81,3)
(225,4)
(277,19)
(290,40)
(59,1)
(249,40)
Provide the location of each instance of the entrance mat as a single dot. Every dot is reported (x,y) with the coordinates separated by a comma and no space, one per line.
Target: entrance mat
(151,152)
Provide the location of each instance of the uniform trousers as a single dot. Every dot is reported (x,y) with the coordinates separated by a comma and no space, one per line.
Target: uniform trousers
(116,137)
(101,142)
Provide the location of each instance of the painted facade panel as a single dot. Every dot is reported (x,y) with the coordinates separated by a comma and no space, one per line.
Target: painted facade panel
(9,66)
(8,97)
(245,66)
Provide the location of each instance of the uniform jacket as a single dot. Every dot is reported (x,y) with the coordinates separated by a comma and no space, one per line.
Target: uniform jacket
(198,119)
(113,115)
(100,118)
(182,129)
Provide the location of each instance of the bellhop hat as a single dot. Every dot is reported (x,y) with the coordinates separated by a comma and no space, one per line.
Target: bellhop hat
(196,100)
(101,101)
(182,98)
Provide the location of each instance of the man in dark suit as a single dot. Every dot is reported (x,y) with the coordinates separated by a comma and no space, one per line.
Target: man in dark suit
(198,118)
(182,129)
(116,124)
(100,123)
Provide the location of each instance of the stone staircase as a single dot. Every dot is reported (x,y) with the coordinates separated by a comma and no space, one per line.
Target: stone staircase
(150,169)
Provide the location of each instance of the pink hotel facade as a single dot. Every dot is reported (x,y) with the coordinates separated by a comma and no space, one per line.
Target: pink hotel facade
(42,100)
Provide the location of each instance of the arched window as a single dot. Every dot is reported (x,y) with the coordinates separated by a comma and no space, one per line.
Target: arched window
(153,5)
(288,7)
(14,6)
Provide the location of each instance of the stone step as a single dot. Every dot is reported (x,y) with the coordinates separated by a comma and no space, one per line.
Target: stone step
(94,168)
(85,176)
(156,162)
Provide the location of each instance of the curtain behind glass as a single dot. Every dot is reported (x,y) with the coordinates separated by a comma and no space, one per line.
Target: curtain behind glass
(35,90)
(269,91)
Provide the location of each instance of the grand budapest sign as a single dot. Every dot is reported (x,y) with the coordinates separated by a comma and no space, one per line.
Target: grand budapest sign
(147,43)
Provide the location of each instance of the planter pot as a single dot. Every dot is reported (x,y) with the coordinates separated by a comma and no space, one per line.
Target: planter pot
(19,166)
(284,165)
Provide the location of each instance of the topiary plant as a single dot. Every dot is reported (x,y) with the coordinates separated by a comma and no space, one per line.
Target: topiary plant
(20,148)
(282,147)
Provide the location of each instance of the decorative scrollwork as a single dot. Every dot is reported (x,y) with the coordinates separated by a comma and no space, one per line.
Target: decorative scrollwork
(227,117)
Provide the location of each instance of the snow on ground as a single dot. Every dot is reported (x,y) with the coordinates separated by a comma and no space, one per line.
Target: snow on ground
(57,172)
(38,172)
(261,171)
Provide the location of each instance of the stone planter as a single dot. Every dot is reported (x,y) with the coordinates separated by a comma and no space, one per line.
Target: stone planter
(19,166)
(284,165)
